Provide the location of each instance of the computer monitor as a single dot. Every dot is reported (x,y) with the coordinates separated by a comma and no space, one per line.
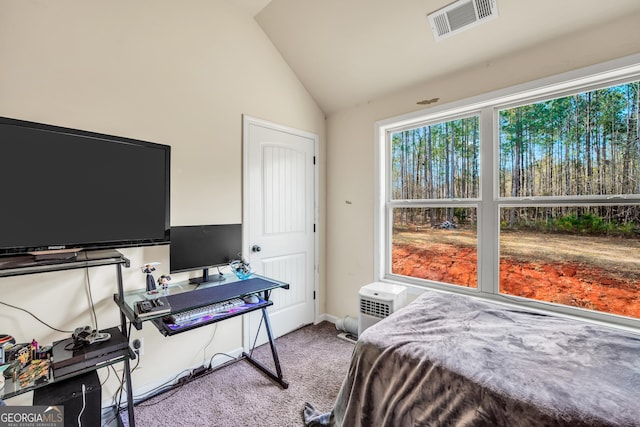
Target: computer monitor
(195,247)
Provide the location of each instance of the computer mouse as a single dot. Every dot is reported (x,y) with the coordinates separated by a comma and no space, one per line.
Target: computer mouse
(251,299)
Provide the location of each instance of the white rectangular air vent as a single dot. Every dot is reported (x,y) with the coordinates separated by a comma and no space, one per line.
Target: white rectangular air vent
(461,15)
(377,301)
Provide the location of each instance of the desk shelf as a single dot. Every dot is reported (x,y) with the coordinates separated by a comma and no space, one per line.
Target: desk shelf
(166,330)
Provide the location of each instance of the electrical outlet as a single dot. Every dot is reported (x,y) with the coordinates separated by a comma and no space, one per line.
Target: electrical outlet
(138,346)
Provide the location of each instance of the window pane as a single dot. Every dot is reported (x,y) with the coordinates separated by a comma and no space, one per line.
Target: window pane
(586,144)
(438,244)
(586,257)
(438,161)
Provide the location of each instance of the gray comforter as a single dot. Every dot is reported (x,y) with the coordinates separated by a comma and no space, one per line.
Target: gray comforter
(452,360)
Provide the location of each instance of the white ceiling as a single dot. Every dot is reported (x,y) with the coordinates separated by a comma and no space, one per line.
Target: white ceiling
(347,52)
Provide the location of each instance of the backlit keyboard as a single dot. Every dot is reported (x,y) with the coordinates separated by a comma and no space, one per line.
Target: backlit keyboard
(207,310)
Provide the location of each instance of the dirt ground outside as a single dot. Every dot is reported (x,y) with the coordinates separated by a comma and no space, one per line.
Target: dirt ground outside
(593,272)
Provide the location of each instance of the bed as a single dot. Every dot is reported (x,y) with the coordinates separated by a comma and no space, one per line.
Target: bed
(453,360)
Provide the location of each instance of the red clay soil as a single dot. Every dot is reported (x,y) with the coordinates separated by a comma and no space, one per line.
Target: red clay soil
(569,283)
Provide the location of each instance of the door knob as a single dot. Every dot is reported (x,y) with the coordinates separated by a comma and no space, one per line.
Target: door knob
(255,248)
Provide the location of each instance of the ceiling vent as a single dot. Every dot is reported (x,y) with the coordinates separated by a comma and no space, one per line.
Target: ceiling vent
(461,15)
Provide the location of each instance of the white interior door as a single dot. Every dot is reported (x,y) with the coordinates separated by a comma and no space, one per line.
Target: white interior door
(279,221)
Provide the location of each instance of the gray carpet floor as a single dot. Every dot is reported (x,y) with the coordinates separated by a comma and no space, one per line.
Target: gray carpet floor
(314,361)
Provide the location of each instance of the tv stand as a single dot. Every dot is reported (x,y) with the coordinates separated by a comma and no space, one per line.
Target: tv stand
(57,254)
(27,264)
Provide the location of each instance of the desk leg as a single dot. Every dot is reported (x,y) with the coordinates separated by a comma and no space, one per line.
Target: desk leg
(127,365)
(277,377)
(127,372)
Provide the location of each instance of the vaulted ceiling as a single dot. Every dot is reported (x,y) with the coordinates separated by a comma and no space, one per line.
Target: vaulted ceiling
(347,52)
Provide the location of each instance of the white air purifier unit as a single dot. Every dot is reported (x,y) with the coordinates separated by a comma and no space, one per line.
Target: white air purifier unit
(377,301)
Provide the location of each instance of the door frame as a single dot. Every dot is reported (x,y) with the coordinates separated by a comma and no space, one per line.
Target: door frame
(246,122)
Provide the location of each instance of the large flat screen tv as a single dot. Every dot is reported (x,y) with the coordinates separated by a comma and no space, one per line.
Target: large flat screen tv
(64,189)
(199,247)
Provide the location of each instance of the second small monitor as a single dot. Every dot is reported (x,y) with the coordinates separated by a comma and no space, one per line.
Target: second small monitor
(195,247)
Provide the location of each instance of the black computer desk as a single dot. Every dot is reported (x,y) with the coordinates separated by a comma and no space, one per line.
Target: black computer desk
(200,297)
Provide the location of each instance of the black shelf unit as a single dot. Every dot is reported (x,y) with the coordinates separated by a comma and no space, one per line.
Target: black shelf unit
(28,264)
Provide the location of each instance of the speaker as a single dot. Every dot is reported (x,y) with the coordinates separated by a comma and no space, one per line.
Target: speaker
(68,393)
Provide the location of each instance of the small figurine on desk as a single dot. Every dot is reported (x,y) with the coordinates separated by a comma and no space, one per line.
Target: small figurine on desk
(148,269)
(163,281)
(241,268)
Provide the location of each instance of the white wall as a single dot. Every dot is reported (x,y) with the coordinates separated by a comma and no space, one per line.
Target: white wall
(351,142)
(176,73)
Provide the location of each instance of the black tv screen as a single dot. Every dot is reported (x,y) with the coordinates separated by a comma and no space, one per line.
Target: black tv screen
(195,247)
(64,188)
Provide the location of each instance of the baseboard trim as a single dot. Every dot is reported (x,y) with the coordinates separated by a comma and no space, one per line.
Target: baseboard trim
(325,317)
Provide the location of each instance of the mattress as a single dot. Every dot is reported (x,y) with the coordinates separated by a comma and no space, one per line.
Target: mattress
(453,360)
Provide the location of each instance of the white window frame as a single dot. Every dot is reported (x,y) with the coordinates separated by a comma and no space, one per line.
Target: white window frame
(614,72)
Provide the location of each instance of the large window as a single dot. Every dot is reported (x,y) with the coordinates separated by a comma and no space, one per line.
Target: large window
(532,198)
(581,145)
(446,251)
(434,167)
(579,256)
(573,150)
